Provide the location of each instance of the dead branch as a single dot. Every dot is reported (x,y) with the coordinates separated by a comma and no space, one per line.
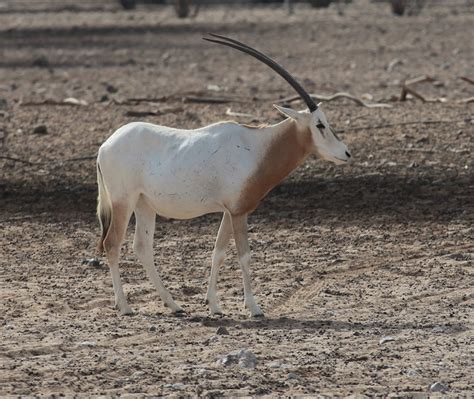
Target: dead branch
(229,112)
(406,89)
(393,64)
(320,97)
(70,102)
(146,99)
(187,96)
(466,100)
(17,160)
(210,100)
(49,161)
(419,79)
(466,79)
(387,125)
(138,113)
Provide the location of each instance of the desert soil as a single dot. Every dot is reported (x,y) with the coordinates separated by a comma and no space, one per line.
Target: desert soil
(364,271)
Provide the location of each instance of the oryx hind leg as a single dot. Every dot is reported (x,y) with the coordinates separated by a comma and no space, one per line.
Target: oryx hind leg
(121,212)
(143,246)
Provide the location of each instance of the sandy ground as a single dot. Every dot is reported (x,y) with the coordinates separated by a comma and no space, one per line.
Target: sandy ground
(342,256)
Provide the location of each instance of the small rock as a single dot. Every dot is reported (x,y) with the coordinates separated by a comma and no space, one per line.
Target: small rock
(104,98)
(242,357)
(438,329)
(40,129)
(74,101)
(152,328)
(211,340)
(438,387)
(388,338)
(274,365)
(3,103)
(92,262)
(458,257)
(88,344)
(292,376)
(213,88)
(412,373)
(277,365)
(247,359)
(41,62)
(177,386)
(222,331)
(111,89)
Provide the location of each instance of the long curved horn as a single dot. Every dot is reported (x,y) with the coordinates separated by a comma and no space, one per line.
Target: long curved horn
(226,41)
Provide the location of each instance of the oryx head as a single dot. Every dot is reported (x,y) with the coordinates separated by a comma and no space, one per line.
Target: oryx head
(326,144)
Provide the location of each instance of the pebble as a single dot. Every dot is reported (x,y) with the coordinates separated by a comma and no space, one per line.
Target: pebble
(222,331)
(91,262)
(88,344)
(243,357)
(152,328)
(278,365)
(211,340)
(438,387)
(438,329)
(40,129)
(41,62)
(177,386)
(459,257)
(292,376)
(274,365)
(412,373)
(111,89)
(388,338)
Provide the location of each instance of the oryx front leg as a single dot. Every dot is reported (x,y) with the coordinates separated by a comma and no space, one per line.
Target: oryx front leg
(239,227)
(223,237)
(143,246)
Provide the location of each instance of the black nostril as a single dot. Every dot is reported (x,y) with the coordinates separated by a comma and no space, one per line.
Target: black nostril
(348,154)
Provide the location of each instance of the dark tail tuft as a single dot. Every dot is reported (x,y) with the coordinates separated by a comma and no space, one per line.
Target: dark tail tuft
(104,210)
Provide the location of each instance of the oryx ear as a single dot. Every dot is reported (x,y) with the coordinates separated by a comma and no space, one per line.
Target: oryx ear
(298,116)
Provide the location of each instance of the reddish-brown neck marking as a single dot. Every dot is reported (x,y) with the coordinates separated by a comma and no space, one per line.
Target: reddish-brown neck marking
(289,146)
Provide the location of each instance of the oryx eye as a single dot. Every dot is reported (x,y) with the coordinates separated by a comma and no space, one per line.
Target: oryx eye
(320,126)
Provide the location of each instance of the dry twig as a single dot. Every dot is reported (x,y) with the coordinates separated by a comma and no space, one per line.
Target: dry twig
(387,125)
(139,113)
(466,100)
(229,112)
(320,97)
(466,79)
(17,160)
(70,102)
(406,89)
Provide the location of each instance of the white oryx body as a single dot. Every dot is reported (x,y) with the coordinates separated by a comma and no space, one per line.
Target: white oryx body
(225,167)
(182,173)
